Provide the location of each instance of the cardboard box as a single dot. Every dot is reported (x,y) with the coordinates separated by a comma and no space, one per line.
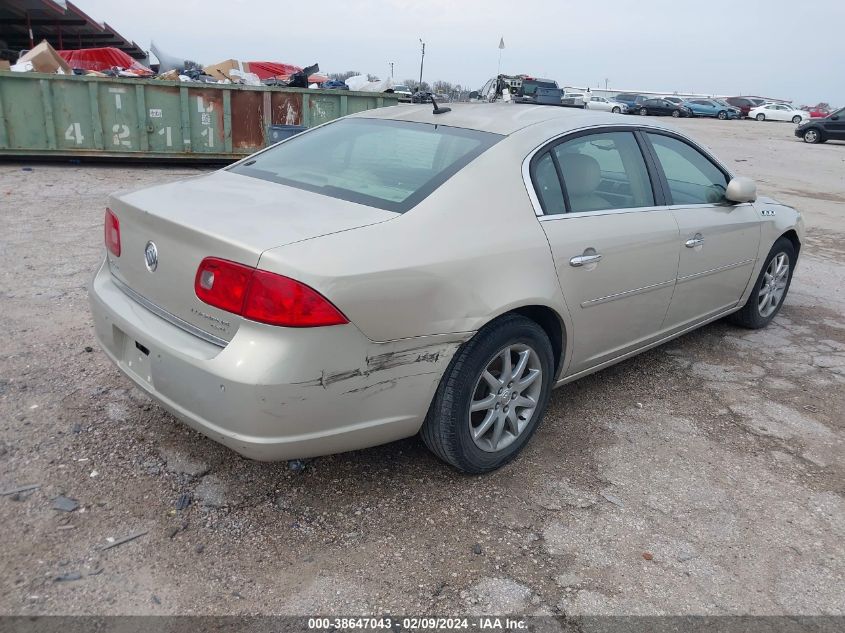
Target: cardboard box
(221,70)
(4,65)
(45,59)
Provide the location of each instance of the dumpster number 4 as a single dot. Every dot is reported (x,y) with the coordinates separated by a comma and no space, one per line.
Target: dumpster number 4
(74,133)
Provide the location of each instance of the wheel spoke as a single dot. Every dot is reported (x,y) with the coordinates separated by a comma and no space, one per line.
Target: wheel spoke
(484,403)
(491,380)
(521,364)
(507,365)
(482,428)
(525,402)
(530,377)
(513,422)
(498,429)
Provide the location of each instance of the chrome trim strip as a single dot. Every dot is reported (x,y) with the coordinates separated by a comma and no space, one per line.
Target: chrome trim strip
(713,271)
(167,316)
(582,214)
(627,293)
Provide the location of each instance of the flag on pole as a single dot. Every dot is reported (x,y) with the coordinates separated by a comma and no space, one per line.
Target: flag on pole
(501,43)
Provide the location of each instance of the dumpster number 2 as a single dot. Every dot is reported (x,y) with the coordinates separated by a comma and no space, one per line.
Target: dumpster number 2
(121,135)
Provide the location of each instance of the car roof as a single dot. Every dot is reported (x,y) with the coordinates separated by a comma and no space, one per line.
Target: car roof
(498,118)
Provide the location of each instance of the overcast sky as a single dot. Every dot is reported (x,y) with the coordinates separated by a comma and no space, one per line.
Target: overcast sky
(777,48)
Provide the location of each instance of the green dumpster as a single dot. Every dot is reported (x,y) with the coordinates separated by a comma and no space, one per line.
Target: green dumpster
(76,116)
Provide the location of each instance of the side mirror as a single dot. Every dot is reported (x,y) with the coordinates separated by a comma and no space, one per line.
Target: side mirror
(741,189)
(473,94)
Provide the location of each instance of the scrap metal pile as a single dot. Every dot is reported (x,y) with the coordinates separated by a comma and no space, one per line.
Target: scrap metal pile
(112,62)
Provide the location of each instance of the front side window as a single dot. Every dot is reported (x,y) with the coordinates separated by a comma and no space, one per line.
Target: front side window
(604,171)
(391,165)
(692,177)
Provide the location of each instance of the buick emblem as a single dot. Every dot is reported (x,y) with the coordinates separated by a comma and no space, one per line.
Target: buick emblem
(151,256)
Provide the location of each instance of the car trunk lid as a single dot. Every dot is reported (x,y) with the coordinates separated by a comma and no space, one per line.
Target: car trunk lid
(223,215)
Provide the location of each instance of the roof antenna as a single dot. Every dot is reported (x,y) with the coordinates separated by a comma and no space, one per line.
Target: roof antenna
(437,108)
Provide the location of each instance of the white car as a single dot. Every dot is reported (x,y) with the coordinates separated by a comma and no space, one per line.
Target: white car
(606,105)
(778,112)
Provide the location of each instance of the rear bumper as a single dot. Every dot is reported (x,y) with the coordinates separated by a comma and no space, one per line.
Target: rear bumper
(273,393)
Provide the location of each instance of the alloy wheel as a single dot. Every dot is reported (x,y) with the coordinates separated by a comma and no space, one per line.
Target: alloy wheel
(505,398)
(811,136)
(773,285)
(643,111)
(676,113)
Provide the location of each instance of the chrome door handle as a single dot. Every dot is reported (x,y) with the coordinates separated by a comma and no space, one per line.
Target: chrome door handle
(697,240)
(583,260)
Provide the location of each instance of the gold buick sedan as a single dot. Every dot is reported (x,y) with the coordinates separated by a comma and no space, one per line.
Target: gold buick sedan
(415,270)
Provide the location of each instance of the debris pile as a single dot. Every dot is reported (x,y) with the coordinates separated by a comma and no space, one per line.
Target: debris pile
(112,62)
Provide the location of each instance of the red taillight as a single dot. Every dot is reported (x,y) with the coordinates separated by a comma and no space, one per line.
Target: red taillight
(223,284)
(262,296)
(112,233)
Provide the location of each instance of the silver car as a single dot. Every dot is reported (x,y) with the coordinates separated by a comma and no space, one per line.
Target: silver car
(401,271)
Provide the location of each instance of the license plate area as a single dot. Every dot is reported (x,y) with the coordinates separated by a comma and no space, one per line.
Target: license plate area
(136,359)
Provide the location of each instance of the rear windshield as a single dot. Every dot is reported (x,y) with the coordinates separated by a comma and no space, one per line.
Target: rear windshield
(391,165)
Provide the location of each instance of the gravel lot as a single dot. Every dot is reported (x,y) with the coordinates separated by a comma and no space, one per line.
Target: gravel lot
(704,477)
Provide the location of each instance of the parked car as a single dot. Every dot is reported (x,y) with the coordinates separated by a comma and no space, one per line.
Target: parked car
(661,107)
(744,104)
(713,108)
(830,128)
(631,100)
(818,113)
(258,304)
(606,105)
(778,112)
(573,99)
(673,99)
(403,92)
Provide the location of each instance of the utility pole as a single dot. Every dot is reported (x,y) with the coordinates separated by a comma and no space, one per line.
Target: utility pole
(605,83)
(391,69)
(422,59)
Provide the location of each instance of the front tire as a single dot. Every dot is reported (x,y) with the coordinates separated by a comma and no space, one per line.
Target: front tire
(770,289)
(813,136)
(676,113)
(761,117)
(492,397)
(722,115)
(616,110)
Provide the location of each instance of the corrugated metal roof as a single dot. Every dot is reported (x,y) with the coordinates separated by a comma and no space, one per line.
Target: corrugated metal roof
(24,23)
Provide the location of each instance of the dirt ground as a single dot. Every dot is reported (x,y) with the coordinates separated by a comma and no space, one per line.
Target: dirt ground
(704,477)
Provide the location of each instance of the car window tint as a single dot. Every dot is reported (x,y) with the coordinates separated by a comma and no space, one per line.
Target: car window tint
(547,185)
(604,171)
(387,164)
(692,177)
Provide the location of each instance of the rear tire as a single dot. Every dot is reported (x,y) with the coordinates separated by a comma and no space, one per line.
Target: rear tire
(770,289)
(796,119)
(477,375)
(761,117)
(643,112)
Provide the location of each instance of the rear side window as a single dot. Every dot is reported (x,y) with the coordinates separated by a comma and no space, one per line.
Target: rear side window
(391,165)
(600,171)
(692,177)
